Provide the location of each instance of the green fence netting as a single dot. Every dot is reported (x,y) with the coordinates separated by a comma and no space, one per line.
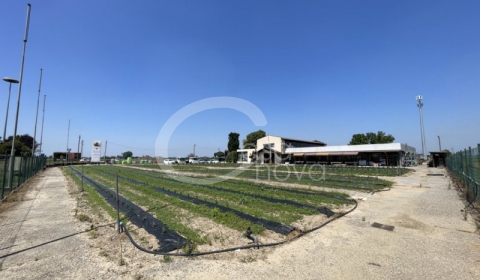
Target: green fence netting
(22,169)
(465,166)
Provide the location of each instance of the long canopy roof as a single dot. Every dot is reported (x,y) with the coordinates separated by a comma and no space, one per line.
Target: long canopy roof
(350,149)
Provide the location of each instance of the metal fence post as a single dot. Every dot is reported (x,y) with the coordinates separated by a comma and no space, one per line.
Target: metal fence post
(4,175)
(118,205)
(82,178)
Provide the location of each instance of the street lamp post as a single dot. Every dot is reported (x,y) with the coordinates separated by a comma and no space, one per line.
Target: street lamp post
(422,130)
(43,117)
(36,115)
(68,136)
(12,154)
(10,81)
(439,143)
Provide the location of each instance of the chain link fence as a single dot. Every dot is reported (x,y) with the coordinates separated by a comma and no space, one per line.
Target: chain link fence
(23,169)
(465,165)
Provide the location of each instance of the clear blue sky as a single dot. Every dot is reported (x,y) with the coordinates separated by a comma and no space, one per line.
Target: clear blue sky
(321,70)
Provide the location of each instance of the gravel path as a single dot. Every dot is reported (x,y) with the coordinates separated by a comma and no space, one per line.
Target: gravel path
(40,238)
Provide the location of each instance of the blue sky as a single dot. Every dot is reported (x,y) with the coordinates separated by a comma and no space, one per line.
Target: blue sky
(324,70)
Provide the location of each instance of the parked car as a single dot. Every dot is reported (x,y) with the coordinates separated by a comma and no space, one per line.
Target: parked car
(182,160)
(193,160)
(169,161)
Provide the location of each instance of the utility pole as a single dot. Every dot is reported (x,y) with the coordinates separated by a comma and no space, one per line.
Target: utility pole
(81,151)
(78,148)
(422,130)
(194,149)
(68,136)
(105,154)
(43,117)
(36,115)
(12,153)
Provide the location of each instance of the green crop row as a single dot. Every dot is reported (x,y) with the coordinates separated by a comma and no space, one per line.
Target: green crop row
(310,175)
(278,212)
(315,198)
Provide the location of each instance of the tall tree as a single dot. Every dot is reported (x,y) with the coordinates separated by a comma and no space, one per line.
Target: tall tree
(219,154)
(127,154)
(233,142)
(371,138)
(20,148)
(25,139)
(250,142)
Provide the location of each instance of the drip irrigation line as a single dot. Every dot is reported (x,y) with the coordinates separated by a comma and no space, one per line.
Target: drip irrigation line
(169,240)
(193,254)
(268,224)
(324,210)
(331,186)
(239,182)
(188,254)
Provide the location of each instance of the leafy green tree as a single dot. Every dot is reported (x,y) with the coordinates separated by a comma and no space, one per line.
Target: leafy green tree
(20,148)
(25,139)
(371,138)
(358,139)
(127,154)
(219,154)
(232,157)
(233,142)
(250,142)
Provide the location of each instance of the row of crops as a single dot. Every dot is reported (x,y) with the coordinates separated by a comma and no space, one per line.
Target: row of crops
(353,178)
(306,168)
(234,203)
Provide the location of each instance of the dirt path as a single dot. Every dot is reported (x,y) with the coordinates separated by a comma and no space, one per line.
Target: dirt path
(41,238)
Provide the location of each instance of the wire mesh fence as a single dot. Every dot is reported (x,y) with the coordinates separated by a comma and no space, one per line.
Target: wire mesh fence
(22,169)
(465,165)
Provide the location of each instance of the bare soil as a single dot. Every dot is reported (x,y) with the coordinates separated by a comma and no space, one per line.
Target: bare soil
(42,237)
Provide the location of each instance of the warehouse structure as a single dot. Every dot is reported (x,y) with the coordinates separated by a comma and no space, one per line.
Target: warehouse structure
(280,150)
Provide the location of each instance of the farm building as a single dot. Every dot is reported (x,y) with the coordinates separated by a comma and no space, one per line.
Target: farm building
(274,149)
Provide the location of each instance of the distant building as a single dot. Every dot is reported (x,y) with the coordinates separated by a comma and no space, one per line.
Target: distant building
(63,155)
(280,150)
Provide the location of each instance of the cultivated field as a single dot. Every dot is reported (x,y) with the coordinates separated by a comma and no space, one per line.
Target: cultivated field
(180,204)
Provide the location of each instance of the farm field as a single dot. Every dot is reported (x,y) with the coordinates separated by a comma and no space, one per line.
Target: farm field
(213,216)
(353,178)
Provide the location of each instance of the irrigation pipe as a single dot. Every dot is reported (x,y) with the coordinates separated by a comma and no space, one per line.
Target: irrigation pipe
(191,254)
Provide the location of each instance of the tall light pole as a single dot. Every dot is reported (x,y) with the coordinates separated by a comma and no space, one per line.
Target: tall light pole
(12,154)
(422,130)
(10,81)
(68,136)
(194,149)
(77,157)
(105,154)
(43,117)
(439,143)
(36,115)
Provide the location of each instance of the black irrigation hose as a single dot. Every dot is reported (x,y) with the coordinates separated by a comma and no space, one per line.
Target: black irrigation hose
(240,182)
(268,224)
(324,210)
(302,233)
(384,190)
(168,239)
(191,254)
(333,180)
